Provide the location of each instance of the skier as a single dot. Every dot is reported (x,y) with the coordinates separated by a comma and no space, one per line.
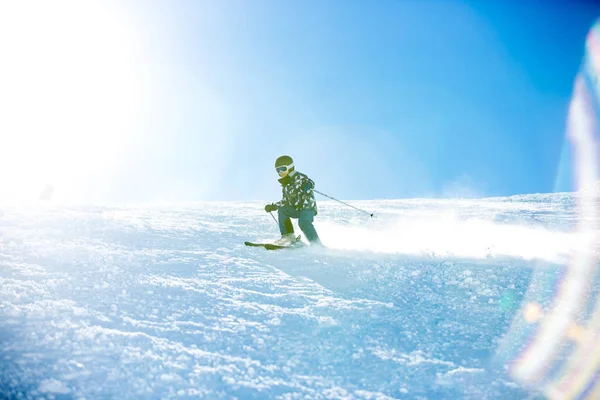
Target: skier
(298,202)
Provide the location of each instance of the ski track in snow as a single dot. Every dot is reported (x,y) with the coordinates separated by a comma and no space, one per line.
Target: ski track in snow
(166,302)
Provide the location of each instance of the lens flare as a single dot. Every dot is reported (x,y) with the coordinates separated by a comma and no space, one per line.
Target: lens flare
(553,344)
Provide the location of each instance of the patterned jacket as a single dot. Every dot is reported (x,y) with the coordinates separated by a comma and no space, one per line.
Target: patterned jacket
(297,190)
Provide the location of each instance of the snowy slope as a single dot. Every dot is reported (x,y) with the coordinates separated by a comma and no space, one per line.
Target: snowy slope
(166,302)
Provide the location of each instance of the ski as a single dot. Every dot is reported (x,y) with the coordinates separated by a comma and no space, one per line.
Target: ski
(271,246)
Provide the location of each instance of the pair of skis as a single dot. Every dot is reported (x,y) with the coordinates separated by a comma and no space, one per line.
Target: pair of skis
(271,246)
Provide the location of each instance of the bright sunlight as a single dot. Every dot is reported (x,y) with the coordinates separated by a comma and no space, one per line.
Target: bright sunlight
(69,80)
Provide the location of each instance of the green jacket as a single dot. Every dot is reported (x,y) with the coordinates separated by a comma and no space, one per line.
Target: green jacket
(297,190)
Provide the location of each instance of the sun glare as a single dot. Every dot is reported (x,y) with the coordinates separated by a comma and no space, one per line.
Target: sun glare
(69,92)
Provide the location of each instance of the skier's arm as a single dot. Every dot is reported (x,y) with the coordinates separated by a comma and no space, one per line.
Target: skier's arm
(280,203)
(274,206)
(304,190)
(307,185)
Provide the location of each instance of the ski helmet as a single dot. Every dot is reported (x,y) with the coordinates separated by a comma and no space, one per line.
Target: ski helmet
(283,160)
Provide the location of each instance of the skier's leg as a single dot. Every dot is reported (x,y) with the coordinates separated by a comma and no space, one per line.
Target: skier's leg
(305,222)
(285,224)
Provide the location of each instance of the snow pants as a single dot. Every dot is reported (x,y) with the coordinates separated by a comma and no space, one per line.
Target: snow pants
(305,222)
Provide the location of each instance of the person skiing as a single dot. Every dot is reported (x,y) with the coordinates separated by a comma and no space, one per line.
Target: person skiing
(298,202)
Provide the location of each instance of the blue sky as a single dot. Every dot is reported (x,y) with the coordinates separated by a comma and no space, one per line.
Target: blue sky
(382,99)
(385,99)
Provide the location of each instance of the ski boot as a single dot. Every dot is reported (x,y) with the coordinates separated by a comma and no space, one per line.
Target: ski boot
(287,239)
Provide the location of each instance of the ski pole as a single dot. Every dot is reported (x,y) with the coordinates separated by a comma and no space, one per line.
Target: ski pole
(270,212)
(339,201)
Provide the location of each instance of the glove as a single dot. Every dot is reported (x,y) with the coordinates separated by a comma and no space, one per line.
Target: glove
(270,207)
(306,186)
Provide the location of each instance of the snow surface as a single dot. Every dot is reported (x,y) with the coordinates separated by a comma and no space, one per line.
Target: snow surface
(165,301)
